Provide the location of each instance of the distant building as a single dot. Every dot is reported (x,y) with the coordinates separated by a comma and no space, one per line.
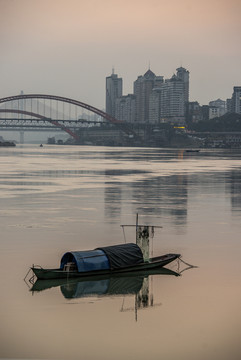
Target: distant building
(229,105)
(125,108)
(213,112)
(172,100)
(219,103)
(154,100)
(183,75)
(169,99)
(205,112)
(142,89)
(236,100)
(217,108)
(155,106)
(194,112)
(113,91)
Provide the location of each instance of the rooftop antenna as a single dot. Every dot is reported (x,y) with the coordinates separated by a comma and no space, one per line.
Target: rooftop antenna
(113,70)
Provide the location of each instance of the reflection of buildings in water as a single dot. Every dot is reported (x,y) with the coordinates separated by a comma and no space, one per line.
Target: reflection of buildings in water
(116,191)
(113,201)
(217,183)
(164,196)
(234,183)
(161,196)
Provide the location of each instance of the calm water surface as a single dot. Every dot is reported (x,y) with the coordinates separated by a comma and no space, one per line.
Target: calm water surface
(55,199)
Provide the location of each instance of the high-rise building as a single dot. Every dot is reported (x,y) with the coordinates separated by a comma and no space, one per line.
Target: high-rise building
(142,89)
(125,108)
(194,113)
(236,99)
(229,105)
(113,91)
(183,75)
(155,106)
(172,100)
(168,102)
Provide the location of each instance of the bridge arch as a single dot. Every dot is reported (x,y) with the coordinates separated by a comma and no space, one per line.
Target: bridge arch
(93,109)
(41,117)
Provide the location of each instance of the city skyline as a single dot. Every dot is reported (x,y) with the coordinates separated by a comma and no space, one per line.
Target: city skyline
(68,48)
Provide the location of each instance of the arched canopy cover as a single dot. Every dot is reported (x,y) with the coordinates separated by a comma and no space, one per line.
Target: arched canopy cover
(86,260)
(104,258)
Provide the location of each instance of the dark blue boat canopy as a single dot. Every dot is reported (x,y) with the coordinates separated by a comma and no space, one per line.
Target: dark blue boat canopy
(104,258)
(86,260)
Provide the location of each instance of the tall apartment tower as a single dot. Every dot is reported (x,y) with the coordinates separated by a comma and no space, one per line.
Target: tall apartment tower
(183,75)
(113,92)
(236,99)
(142,90)
(125,108)
(172,100)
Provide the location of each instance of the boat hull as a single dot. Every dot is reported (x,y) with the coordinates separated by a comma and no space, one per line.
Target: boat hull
(156,262)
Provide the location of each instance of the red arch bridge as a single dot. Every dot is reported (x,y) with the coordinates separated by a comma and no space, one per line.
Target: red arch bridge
(41,112)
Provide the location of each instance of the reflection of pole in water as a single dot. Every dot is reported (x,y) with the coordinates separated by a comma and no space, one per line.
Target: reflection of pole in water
(142,298)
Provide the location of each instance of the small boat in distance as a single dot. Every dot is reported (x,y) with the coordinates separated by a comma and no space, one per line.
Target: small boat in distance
(7,144)
(109,260)
(192,150)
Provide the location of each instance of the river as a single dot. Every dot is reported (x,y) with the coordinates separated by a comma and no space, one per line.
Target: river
(60,198)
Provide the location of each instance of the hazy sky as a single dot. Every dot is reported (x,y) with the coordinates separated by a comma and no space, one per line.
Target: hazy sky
(68,47)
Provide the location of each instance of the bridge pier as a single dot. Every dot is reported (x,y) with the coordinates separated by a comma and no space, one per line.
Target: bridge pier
(21,137)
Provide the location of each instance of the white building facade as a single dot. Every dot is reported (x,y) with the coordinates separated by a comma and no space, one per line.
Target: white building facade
(125,108)
(217,108)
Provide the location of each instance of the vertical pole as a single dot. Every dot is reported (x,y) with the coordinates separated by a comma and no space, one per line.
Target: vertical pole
(136,227)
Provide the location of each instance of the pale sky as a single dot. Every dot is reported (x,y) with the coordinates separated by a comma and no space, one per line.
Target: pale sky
(68,47)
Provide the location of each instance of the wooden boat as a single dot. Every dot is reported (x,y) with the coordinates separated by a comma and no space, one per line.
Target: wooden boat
(109,260)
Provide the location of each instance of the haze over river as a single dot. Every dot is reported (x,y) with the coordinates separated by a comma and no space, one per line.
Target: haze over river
(59,198)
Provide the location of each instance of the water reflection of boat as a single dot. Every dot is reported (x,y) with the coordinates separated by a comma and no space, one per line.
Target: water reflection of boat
(119,284)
